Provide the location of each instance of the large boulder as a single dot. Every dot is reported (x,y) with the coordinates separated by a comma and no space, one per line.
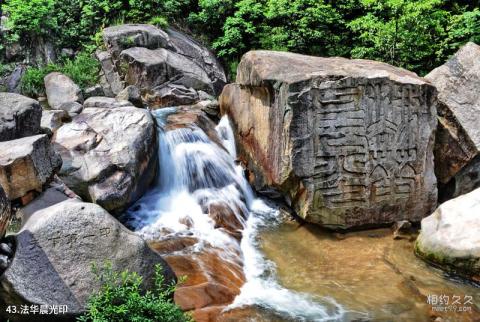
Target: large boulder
(193,50)
(458,134)
(19,116)
(63,93)
(27,164)
(55,251)
(348,142)
(109,155)
(450,237)
(152,59)
(148,69)
(121,37)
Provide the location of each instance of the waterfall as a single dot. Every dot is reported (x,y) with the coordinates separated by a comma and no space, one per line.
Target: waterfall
(196,173)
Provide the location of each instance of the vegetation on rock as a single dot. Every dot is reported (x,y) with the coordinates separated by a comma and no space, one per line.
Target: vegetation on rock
(83,70)
(121,299)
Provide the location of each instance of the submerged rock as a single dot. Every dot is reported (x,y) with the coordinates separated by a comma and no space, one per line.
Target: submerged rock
(19,116)
(348,142)
(63,93)
(450,237)
(109,155)
(55,251)
(457,145)
(27,164)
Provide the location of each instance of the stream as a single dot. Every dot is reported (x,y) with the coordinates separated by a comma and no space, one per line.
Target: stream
(285,271)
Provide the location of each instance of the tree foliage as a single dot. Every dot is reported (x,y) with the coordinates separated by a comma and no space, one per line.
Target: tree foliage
(415,34)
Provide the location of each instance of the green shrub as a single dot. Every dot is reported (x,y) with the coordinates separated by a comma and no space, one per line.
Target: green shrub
(159,21)
(121,299)
(83,70)
(32,83)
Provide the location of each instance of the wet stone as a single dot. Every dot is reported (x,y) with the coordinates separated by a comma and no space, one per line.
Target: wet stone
(5,249)
(3,262)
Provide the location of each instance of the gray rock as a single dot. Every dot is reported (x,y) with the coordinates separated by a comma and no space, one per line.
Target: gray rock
(44,51)
(5,212)
(67,52)
(19,116)
(458,134)
(92,91)
(171,95)
(118,38)
(110,79)
(449,237)
(211,107)
(53,119)
(131,94)
(72,108)
(5,249)
(14,79)
(124,37)
(62,92)
(148,69)
(56,192)
(3,262)
(55,251)
(193,50)
(348,142)
(109,155)
(105,102)
(27,164)
(14,52)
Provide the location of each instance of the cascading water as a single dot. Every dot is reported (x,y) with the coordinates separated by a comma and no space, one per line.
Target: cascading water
(195,174)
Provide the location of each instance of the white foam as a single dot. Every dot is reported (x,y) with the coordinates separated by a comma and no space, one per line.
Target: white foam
(195,172)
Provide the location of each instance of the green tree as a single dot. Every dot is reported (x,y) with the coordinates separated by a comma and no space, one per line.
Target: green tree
(304,26)
(28,20)
(462,28)
(406,33)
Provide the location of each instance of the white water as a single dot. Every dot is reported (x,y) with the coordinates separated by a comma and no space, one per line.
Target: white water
(196,173)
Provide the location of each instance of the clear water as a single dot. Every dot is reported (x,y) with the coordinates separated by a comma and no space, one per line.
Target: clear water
(292,272)
(195,173)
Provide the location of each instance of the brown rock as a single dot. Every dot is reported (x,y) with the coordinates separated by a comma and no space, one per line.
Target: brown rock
(348,142)
(191,116)
(5,212)
(458,135)
(27,164)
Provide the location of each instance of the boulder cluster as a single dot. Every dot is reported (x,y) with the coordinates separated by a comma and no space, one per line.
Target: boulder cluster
(346,144)
(69,167)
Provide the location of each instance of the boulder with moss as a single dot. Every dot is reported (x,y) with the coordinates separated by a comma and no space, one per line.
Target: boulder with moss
(450,237)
